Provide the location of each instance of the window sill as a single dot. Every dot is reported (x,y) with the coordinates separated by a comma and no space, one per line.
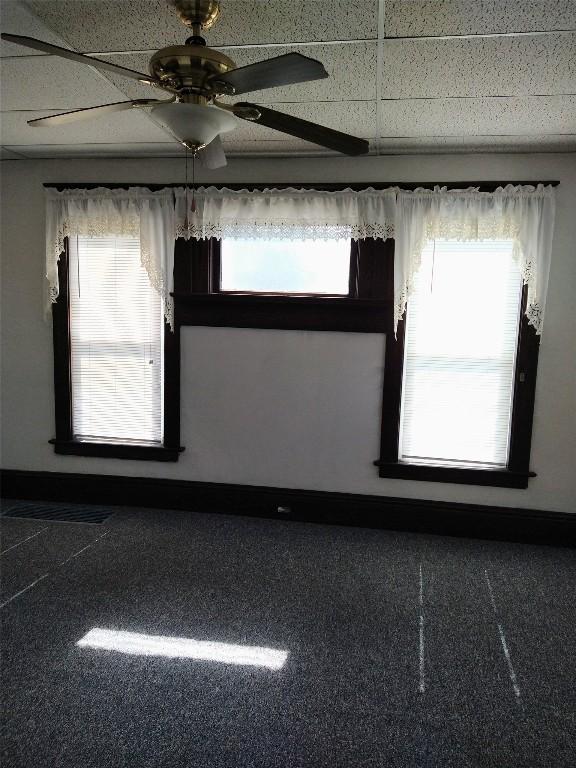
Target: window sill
(306,313)
(501,478)
(116,450)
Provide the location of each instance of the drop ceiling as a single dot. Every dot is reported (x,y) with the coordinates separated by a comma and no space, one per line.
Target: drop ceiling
(409,75)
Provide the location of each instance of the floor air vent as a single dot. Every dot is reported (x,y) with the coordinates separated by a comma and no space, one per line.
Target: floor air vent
(64,513)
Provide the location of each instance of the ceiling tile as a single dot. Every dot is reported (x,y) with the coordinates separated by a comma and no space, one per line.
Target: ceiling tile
(420,77)
(123,127)
(276,21)
(484,67)
(351,71)
(8,154)
(481,117)
(47,82)
(16,19)
(467,144)
(126,149)
(281,147)
(136,126)
(119,25)
(132,89)
(357,118)
(287,146)
(472,17)
(544,143)
(295,147)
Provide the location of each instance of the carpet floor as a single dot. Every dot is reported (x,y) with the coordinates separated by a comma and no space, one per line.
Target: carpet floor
(175,639)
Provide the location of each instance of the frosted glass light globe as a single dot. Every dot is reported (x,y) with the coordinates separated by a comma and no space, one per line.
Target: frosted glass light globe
(194,123)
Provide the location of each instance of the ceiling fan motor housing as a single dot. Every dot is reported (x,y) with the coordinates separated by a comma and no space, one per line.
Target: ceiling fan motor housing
(191,68)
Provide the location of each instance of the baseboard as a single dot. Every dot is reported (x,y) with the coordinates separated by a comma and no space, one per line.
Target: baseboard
(447,518)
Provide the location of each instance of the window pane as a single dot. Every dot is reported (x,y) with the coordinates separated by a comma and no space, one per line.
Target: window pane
(116,331)
(461,336)
(286,266)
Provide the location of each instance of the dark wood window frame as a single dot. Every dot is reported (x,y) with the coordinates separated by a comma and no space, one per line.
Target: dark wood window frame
(64,441)
(366,309)
(517,471)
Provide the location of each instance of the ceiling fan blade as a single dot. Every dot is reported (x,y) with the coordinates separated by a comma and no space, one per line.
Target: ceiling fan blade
(270,73)
(212,156)
(89,112)
(303,129)
(55,50)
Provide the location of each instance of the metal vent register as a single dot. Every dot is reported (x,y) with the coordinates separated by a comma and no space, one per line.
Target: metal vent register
(65,513)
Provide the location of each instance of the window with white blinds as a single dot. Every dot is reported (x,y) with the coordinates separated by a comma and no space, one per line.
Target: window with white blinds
(116,337)
(459,359)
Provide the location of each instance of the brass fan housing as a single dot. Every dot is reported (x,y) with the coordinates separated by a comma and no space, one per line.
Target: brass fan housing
(203,13)
(184,69)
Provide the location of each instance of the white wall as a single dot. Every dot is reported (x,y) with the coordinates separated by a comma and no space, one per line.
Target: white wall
(281,408)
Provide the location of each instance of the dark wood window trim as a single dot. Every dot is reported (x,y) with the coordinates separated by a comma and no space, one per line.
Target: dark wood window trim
(64,441)
(517,472)
(366,309)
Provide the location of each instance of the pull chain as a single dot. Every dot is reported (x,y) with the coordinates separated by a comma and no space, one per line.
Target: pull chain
(193,206)
(186,187)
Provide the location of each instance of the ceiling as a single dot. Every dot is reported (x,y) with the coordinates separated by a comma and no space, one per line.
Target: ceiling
(410,75)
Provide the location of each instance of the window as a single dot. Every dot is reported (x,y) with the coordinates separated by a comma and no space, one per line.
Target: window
(116,364)
(334,285)
(459,360)
(460,385)
(116,343)
(320,267)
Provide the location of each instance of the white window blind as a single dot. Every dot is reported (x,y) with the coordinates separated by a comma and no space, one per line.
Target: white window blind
(116,333)
(286,266)
(459,359)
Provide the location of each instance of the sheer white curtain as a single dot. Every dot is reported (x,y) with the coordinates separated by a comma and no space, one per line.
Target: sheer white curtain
(523,214)
(288,214)
(134,212)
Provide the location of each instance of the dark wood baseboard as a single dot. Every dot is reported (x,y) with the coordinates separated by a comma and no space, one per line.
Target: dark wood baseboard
(446,518)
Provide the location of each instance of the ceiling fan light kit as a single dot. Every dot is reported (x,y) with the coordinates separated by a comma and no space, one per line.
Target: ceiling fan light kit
(195,76)
(196,125)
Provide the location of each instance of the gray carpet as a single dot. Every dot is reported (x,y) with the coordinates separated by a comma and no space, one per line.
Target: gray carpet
(401,649)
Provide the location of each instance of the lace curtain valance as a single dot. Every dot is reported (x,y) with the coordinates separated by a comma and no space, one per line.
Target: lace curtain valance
(288,214)
(135,212)
(524,214)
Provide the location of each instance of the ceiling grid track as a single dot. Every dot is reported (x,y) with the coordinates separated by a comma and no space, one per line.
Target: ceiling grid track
(379,72)
(314,43)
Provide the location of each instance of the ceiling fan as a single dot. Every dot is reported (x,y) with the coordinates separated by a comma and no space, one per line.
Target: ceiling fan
(195,76)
